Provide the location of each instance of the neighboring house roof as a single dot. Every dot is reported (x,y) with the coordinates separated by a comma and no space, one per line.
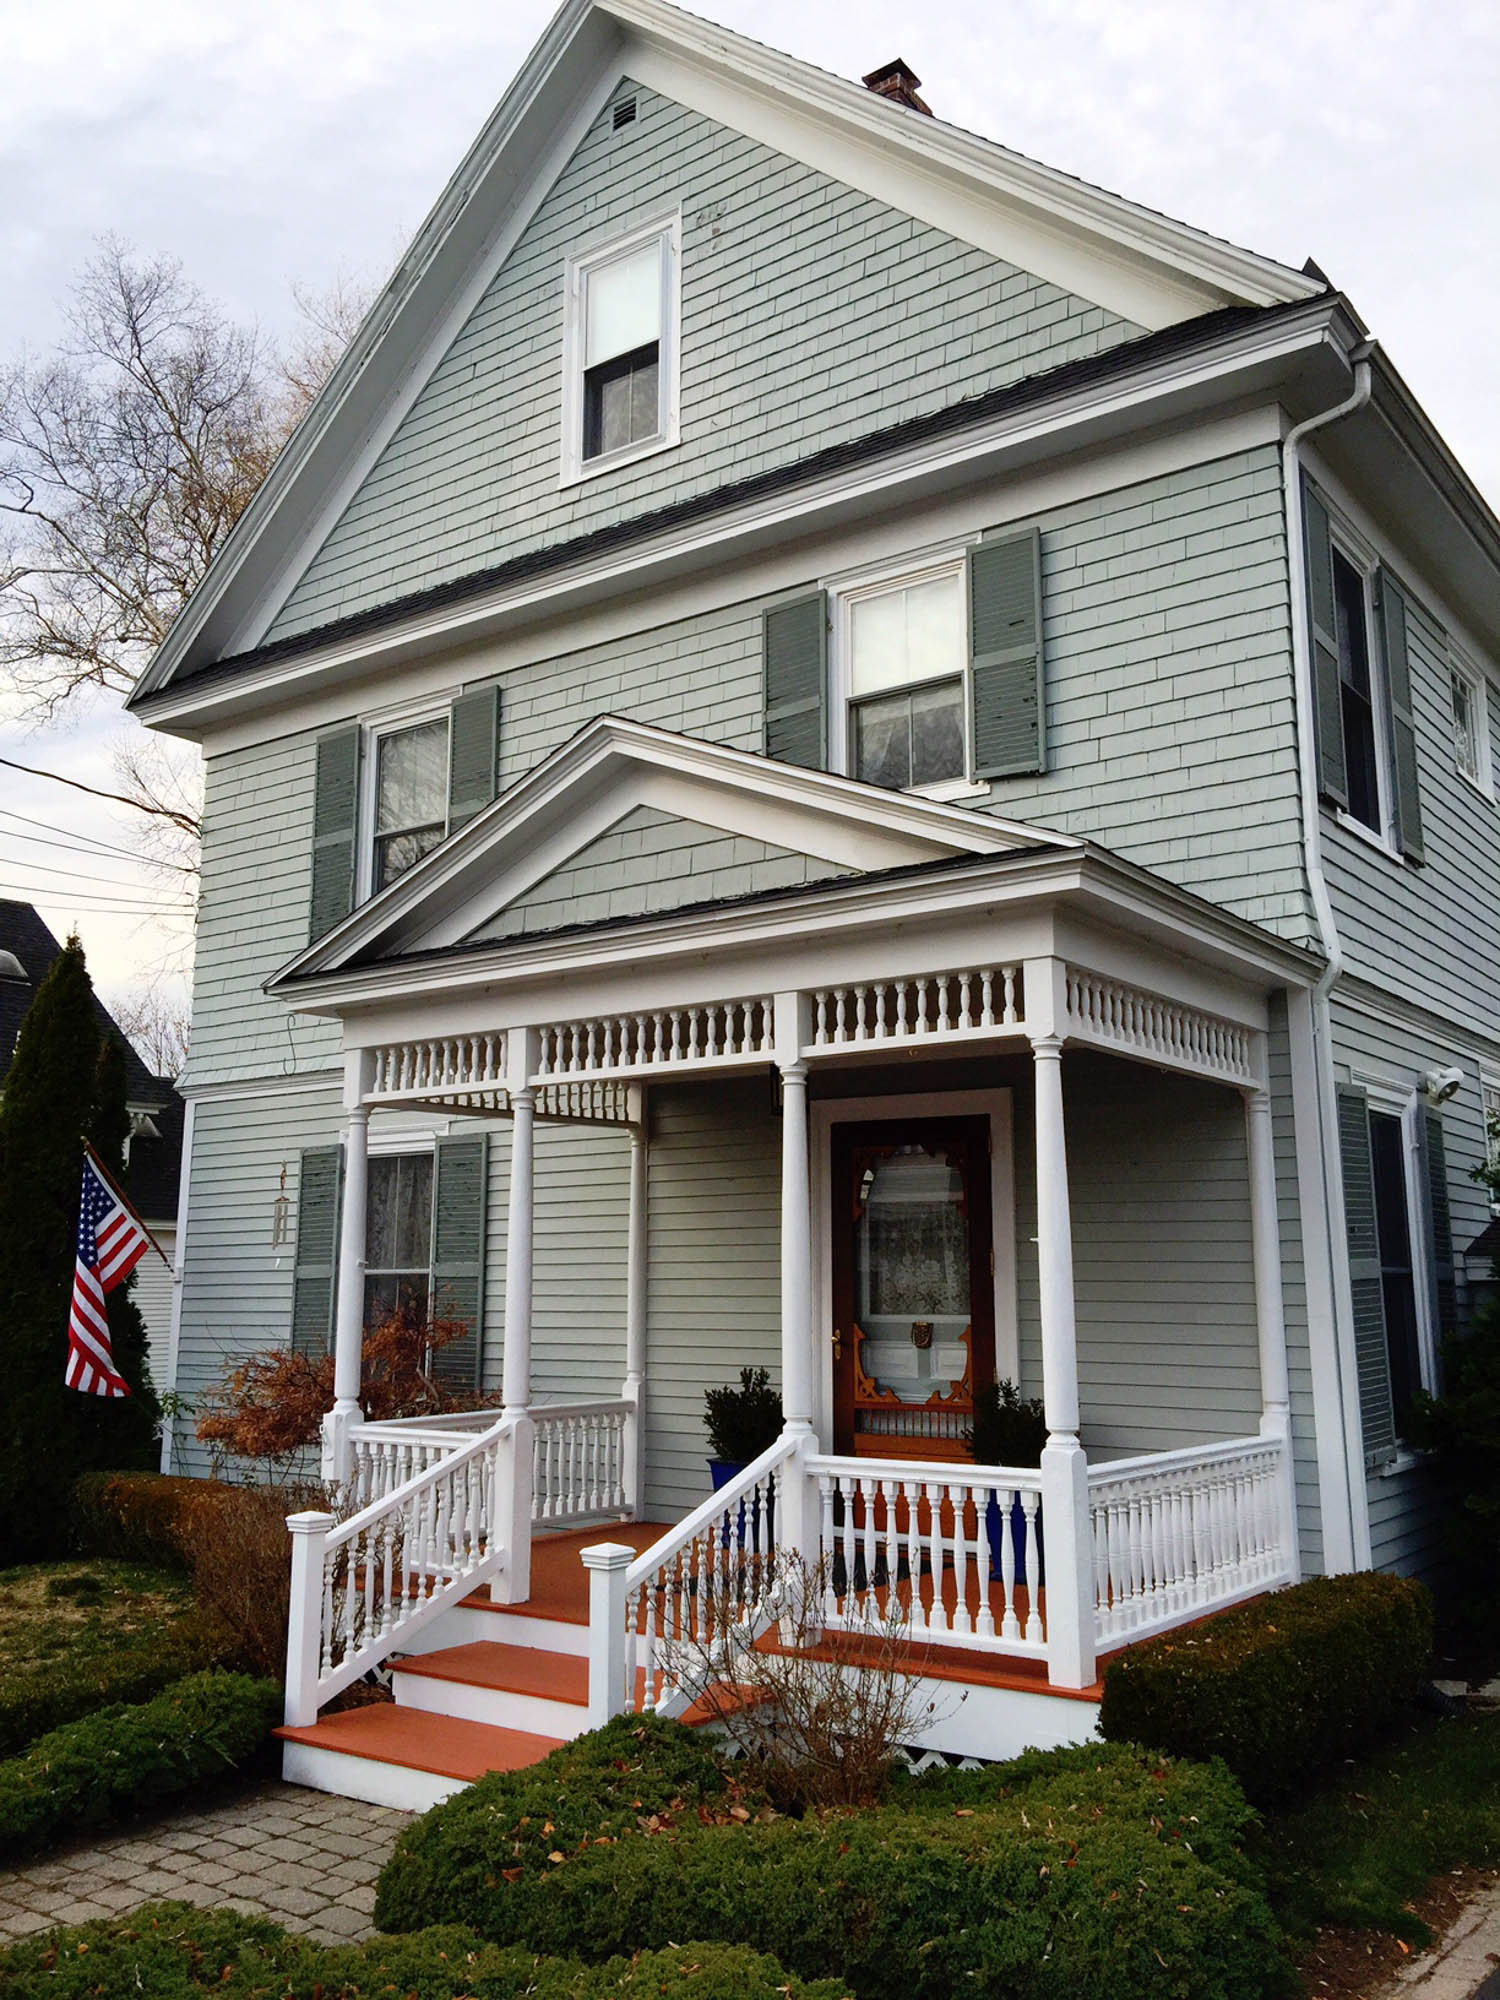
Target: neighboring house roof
(155,1162)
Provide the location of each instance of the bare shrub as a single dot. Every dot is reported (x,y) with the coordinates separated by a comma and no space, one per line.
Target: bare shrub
(241,1559)
(819,1716)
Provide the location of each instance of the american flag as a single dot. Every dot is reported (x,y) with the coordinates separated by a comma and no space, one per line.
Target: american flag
(110,1245)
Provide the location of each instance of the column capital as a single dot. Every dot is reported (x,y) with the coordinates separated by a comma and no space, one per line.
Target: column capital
(794,1072)
(1048,1047)
(523,1098)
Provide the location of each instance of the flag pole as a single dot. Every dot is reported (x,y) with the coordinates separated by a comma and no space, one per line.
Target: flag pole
(124,1201)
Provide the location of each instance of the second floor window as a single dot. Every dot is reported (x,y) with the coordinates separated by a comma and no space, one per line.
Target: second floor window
(411,797)
(1471,736)
(1357,693)
(906,657)
(620,351)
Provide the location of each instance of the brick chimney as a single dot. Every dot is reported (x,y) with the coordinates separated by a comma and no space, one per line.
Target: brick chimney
(899,84)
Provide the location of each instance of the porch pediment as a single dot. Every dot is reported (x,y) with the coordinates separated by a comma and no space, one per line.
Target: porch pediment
(628,821)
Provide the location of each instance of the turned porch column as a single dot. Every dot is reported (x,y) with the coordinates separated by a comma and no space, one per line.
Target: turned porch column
(349,1294)
(797,1524)
(634,1390)
(1270,1314)
(1066,1527)
(514,1500)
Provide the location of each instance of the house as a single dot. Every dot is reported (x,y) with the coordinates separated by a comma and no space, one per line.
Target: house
(831,749)
(153,1150)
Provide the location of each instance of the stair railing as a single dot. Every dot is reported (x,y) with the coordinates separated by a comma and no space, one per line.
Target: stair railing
(362,1587)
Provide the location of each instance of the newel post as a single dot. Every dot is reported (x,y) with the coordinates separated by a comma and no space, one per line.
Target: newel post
(349,1306)
(1067,1529)
(609,1695)
(304,1637)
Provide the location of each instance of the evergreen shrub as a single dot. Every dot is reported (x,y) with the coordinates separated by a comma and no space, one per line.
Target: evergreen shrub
(172,1951)
(1282,1688)
(1102,1871)
(126,1757)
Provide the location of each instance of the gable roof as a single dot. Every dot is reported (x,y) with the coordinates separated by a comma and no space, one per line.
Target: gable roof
(1160,272)
(151,1181)
(612,769)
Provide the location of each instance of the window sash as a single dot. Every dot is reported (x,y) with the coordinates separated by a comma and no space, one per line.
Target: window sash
(409,805)
(912,712)
(907,633)
(1465,725)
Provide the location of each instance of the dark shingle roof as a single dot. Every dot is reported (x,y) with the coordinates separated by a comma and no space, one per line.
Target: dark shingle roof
(155,1164)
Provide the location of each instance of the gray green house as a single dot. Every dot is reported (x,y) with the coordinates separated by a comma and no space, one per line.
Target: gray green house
(833,750)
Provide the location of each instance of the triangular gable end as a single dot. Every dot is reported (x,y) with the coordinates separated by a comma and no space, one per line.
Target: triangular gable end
(628,820)
(1152,272)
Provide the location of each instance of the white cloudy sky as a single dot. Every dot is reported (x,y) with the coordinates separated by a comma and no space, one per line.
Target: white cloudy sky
(270,141)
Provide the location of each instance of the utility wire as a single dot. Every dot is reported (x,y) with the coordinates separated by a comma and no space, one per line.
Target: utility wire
(10,889)
(182,819)
(74,874)
(84,840)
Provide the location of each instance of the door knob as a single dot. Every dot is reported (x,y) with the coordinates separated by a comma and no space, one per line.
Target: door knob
(838,1344)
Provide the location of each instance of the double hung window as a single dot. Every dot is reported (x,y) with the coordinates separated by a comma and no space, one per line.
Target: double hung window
(1471,737)
(906,658)
(620,351)
(411,797)
(398,1236)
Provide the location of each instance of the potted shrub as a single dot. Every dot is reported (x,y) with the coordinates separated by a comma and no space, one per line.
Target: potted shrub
(741,1423)
(1009,1429)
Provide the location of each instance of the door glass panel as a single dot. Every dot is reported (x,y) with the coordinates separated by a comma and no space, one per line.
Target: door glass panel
(911,1273)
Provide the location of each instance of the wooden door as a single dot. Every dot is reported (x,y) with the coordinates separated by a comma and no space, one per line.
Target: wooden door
(913,1285)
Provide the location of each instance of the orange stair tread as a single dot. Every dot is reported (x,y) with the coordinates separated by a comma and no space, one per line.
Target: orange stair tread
(417,1741)
(491,1663)
(559,1581)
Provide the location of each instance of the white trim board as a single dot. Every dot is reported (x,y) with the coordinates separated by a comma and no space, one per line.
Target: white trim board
(826,1112)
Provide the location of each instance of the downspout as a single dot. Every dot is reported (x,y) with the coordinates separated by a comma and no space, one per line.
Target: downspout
(1317,881)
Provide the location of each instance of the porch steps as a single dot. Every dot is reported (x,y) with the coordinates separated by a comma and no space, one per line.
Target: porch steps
(391,1755)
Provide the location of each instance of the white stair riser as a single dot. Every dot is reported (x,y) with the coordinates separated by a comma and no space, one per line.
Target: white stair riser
(992,1722)
(463,1625)
(502,1708)
(366,1778)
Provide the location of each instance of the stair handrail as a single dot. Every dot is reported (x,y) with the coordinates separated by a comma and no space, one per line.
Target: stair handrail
(362,1586)
(710,1512)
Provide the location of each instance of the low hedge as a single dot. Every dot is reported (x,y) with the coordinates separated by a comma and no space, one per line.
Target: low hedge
(63,1690)
(172,1951)
(1071,1880)
(1281,1688)
(124,1758)
(140,1516)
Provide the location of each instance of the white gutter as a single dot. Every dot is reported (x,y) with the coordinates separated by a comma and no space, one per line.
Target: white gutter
(1322,902)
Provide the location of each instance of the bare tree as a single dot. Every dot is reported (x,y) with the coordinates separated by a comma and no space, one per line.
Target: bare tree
(156,1018)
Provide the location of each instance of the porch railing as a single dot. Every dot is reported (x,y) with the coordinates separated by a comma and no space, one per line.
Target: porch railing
(950,1555)
(361,1587)
(578,1460)
(385,1456)
(1179,1533)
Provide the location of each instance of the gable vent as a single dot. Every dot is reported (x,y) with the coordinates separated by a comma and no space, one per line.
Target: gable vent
(624,113)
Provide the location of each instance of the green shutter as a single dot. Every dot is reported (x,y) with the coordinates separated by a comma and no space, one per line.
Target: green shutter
(474,755)
(1007,699)
(1440,1223)
(315,1266)
(1323,645)
(795,654)
(1372,1357)
(460,1186)
(1403,732)
(335,817)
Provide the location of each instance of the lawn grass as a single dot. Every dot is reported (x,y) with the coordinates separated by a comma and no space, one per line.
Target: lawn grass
(74,1635)
(1360,1852)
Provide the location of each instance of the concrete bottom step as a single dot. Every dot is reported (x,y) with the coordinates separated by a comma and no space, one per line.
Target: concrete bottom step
(403,1757)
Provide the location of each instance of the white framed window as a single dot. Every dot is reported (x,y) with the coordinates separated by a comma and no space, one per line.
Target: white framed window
(900,679)
(1361,692)
(621,322)
(398,1234)
(1471,735)
(1489,1099)
(405,799)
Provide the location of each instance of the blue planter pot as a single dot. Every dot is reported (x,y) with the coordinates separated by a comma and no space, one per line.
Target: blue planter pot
(1017,1542)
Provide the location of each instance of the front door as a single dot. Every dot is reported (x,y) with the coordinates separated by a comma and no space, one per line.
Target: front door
(913,1285)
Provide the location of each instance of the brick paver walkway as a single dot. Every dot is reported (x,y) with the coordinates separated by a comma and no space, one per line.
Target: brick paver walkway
(304,1858)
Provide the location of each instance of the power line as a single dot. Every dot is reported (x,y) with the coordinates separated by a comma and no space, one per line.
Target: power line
(96,902)
(85,840)
(73,874)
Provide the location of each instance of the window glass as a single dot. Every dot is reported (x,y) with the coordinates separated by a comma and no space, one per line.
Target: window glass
(621,402)
(909,739)
(411,797)
(1361,751)
(1465,726)
(398,1235)
(622,304)
(914,633)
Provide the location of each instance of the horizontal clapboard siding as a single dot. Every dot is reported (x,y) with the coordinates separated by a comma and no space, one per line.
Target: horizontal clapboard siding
(471,476)
(1163,1279)
(152,1292)
(1369,1049)
(1413,930)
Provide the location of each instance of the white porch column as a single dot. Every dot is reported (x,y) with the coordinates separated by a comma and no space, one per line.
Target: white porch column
(634,1390)
(349,1308)
(797,1523)
(513,1525)
(1066,1529)
(1270,1315)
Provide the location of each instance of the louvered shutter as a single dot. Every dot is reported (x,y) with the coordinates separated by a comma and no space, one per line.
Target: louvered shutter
(1403,733)
(1439,1223)
(474,755)
(335,818)
(1372,1357)
(458,1204)
(1007,699)
(315,1265)
(1323,643)
(795,655)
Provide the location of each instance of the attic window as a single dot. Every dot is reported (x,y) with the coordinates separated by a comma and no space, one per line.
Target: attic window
(620,351)
(624,113)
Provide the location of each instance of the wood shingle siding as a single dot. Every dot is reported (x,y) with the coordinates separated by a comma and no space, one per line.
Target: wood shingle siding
(798,293)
